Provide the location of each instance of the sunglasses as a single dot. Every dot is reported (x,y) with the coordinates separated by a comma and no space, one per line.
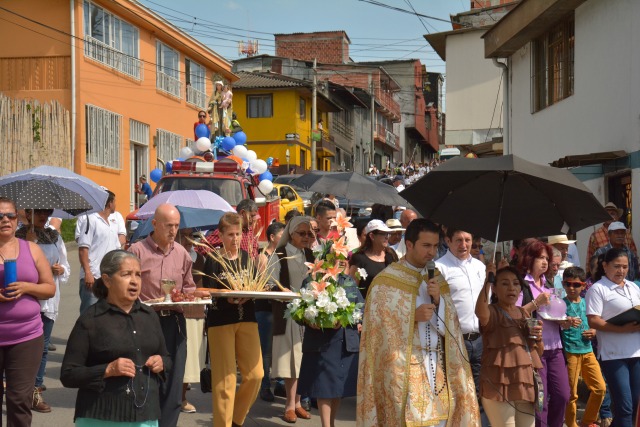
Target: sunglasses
(381,233)
(9,215)
(574,285)
(476,246)
(308,234)
(200,115)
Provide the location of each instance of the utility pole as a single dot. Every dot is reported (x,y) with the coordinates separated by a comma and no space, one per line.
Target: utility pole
(373,119)
(314,119)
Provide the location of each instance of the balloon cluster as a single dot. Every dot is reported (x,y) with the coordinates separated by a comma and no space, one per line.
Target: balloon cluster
(221,147)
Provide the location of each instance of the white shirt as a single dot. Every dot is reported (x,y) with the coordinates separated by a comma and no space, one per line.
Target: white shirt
(55,254)
(466,280)
(401,248)
(606,299)
(100,238)
(573,256)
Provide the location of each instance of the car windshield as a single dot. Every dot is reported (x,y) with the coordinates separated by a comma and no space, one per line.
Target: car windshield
(229,189)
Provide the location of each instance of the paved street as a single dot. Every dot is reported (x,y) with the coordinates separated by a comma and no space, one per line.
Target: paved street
(62,400)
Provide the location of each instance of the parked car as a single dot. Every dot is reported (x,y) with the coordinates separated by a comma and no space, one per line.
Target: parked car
(309,198)
(289,199)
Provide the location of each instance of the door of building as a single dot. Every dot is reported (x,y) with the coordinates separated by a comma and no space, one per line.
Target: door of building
(139,165)
(619,187)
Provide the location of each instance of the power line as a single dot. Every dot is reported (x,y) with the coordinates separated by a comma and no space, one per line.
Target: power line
(398,9)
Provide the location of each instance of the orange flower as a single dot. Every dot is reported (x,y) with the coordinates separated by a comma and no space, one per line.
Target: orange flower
(315,267)
(318,286)
(340,248)
(333,272)
(341,222)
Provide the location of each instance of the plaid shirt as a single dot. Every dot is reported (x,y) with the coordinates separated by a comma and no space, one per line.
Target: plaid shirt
(600,238)
(248,243)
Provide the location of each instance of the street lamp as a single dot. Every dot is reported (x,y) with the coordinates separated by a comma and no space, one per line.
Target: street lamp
(288,156)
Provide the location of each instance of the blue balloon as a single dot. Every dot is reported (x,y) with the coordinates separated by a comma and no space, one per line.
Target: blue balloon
(266,175)
(202,130)
(155,175)
(269,161)
(168,167)
(228,143)
(240,137)
(180,159)
(249,171)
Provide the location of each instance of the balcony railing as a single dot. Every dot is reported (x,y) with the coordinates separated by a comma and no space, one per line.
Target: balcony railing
(110,57)
(197,98)
(168,84)
(389,104)
(385,136)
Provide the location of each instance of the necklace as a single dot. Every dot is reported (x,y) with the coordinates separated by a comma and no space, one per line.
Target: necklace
(132,389)
(625,294)
(439,359)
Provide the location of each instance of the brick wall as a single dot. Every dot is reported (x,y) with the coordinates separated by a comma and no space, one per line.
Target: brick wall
(329,47)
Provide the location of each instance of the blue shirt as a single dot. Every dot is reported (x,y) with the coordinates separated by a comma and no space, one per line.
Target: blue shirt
(146,189)
(572,339)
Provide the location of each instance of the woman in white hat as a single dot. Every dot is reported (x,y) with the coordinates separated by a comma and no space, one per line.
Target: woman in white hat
(373,256)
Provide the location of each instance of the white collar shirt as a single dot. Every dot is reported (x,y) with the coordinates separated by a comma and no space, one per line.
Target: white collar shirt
(466,280)
(99,237)
(607,299)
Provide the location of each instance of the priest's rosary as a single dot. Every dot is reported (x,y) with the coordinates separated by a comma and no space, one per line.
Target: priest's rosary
(440,360)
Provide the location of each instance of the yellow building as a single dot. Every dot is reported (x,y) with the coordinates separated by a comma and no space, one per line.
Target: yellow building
(275,113)
(132,82)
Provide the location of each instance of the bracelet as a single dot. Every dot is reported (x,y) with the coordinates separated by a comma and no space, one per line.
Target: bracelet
(535,304)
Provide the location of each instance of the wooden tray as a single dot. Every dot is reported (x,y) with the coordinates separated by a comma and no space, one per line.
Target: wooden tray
(162,303)
(254,295)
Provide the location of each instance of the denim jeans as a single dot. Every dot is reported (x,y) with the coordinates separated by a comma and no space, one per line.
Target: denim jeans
(47,327)
(623,378)
(87,299)
(265,329)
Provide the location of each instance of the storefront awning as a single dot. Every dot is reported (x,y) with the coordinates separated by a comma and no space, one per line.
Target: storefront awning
(588,159)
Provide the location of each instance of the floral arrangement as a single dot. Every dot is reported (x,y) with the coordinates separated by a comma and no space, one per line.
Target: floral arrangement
(324,302)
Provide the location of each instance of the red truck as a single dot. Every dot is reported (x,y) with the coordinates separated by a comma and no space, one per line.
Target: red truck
(225,178)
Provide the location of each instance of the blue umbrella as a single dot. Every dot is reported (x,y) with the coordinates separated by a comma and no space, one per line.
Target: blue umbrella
(50,187)
(196,218)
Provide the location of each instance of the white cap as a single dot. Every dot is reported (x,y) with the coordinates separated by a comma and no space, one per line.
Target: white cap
(616,225)
(376,225)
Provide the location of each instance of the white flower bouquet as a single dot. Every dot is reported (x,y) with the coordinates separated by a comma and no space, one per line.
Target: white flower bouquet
(330,298)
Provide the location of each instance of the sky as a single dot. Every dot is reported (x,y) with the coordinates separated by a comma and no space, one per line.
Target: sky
(376,32)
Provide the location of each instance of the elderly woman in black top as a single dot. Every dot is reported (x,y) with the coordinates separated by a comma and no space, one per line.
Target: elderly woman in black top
(116,353)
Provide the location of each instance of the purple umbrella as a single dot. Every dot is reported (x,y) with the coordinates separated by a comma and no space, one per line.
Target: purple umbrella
(201,199)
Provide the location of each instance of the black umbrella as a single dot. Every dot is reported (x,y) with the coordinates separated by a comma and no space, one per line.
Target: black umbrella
(350,185)
(505,198)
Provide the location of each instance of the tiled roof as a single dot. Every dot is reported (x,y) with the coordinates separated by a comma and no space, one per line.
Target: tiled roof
(264,80)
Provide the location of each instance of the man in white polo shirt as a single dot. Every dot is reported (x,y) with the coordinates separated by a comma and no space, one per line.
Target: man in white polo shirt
(95,238)
(465,276)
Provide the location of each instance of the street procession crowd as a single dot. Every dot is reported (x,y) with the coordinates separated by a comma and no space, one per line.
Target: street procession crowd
(446,337)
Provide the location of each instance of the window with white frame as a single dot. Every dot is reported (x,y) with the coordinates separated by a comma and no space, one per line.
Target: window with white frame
(167,69)
(168,145)
(195,80)
(111,41)
(104,137)
(138,132)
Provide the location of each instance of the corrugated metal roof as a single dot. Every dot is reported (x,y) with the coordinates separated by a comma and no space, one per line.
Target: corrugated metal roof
(263,80)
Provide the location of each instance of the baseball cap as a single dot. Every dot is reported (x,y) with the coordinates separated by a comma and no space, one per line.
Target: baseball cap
(398,178)
(376,225)
(616,225)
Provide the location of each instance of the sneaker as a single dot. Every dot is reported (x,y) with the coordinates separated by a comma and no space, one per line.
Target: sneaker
(187,407)
(38,404)
(52,347)
(305,403)
(267,395)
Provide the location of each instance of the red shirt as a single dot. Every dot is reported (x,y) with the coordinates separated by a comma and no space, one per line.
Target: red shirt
(248,243)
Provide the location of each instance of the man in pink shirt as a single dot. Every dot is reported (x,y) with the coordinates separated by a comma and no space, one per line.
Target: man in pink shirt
(161,257)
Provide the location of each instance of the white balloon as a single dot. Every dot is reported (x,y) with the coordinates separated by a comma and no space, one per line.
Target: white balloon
(240,151)
(265,186)
(186,152)
(203,144)
(259,166)
(251,156)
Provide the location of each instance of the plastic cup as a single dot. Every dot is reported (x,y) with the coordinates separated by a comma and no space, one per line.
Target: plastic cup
(532,323)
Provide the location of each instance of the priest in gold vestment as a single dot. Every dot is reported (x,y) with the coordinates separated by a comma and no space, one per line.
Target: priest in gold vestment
(413,368)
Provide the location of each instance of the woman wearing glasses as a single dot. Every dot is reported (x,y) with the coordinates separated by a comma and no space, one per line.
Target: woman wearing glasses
(21,337)
(49,240)
(373,256)
(618,345)
(292,251)
(202,120)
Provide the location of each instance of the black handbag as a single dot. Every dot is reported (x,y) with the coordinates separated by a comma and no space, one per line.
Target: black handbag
(205,373)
